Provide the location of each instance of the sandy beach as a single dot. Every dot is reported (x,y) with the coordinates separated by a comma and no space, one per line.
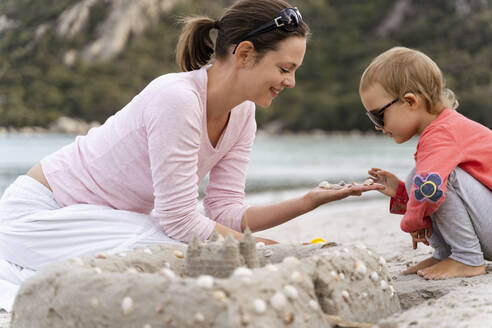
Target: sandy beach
(449,303)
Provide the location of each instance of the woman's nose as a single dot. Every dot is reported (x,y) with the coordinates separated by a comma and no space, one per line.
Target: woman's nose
(289,82)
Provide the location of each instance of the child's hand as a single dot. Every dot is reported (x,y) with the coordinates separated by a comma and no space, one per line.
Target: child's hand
(418,236)
(387,179)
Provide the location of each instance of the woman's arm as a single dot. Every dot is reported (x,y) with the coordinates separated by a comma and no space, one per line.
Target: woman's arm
(259,218)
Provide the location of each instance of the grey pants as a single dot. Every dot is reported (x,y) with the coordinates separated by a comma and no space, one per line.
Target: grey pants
(462,226)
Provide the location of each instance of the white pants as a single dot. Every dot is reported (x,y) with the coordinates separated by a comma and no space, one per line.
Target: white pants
(36,231)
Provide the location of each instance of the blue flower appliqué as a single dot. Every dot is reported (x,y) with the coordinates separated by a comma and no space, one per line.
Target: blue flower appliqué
(428,186)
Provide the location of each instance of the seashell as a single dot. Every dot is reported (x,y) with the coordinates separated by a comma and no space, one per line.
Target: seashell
(291,260)
(384,285)
(245,319)
(159,309)
(346,296)
(324,184)
(359,266)
(361,246)
(271,267)
(97,270)
(267,253)
(335,275)
(167,265)
(259,306)
(392,290)
(296,277)
(374,276)
(278,301)
(342,183)
(382,261)
(147,251)
(147,326)
(127,305)
(345,250)
(245,280)
(122,254)
(364,295)
(78,260)
(341,276)
(219,295)
(132,271)
(242,272)
(368,182)
(291,292)
(260,245)
(289,318)
(100,256)
(179,254)
(199,317)
(94,302)
(205,281)
(167,273)
(313,304)
(369,253)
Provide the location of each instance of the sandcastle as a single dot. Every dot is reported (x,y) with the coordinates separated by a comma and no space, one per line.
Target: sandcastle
(177,286)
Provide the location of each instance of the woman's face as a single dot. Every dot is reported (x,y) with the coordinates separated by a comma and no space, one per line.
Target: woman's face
(275,71)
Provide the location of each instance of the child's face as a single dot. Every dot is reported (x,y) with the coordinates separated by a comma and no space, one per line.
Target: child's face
(401,122)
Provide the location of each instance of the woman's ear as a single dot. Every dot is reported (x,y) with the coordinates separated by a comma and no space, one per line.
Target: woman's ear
(245,54)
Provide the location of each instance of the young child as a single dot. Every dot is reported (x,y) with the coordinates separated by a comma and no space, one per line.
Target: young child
(447,198)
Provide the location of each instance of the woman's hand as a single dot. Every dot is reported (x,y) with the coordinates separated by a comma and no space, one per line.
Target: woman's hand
(387,179)
(319,196)
(418,236)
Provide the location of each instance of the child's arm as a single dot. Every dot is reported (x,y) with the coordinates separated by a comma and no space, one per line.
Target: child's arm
(394,188)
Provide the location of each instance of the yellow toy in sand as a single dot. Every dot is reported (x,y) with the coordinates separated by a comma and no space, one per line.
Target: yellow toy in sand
(318,241)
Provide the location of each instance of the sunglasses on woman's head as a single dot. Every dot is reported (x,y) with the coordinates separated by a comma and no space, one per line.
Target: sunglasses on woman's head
(377,115)
(288,20)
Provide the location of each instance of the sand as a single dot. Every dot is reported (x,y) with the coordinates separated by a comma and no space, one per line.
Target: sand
(449,303)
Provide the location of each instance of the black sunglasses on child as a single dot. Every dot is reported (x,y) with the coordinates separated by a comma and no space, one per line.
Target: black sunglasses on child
(377,115)
(288,20)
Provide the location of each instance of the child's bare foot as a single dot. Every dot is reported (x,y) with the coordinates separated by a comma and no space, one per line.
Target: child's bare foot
(449,268)
(421,265)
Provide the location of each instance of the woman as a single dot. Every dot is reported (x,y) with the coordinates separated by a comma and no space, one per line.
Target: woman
(134,180)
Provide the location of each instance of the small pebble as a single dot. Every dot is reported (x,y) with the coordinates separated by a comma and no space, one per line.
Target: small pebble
(167,273)
(267,253)
(384,285)
(259,305)
(127,305)
(205,281)
(179,254)
(219,295)
(374,276)
(313,304)
(382,261)
(359,266)
(345,295)
(278,301)
(341,276)
(291,292)
(289,318)
(296,277)
(243,272)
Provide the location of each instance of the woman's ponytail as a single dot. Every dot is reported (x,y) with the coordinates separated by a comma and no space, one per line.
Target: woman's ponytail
(195,46)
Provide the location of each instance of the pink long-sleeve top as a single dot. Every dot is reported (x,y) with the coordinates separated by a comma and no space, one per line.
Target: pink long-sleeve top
(151,156)
(450,141)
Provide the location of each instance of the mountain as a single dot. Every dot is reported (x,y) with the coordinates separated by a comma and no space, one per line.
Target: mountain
(88,58)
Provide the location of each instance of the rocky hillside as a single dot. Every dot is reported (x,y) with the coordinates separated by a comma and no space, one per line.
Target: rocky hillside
(88,58)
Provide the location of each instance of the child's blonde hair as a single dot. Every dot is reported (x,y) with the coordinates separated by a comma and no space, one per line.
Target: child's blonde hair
(400,70)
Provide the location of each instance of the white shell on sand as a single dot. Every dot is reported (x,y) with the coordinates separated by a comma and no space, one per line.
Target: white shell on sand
(242,272)
(384,285)
(369,252)
(364,295)
(147,326)
(382,261)
(368,182)
(278,301)
(219,295)
(359,266)
(291,260)
(122,254)
(267,253)
(392,290)
(199,317)
(94,302)
(259,305)
(127,305)
(97,270)
(291,292)
(167,273)
(313,304)
(271,267)
(374,276)
(205,281)
(341,276)
(345,295)
(178,254)
(334,274)
(132,271)
(78,260)
(296,277)
(147,251)
(260,245)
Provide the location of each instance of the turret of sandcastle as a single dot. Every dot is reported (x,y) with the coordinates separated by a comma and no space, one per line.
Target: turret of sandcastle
(220,259)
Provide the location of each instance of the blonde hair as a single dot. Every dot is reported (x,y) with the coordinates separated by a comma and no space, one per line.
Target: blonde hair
(400,70)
